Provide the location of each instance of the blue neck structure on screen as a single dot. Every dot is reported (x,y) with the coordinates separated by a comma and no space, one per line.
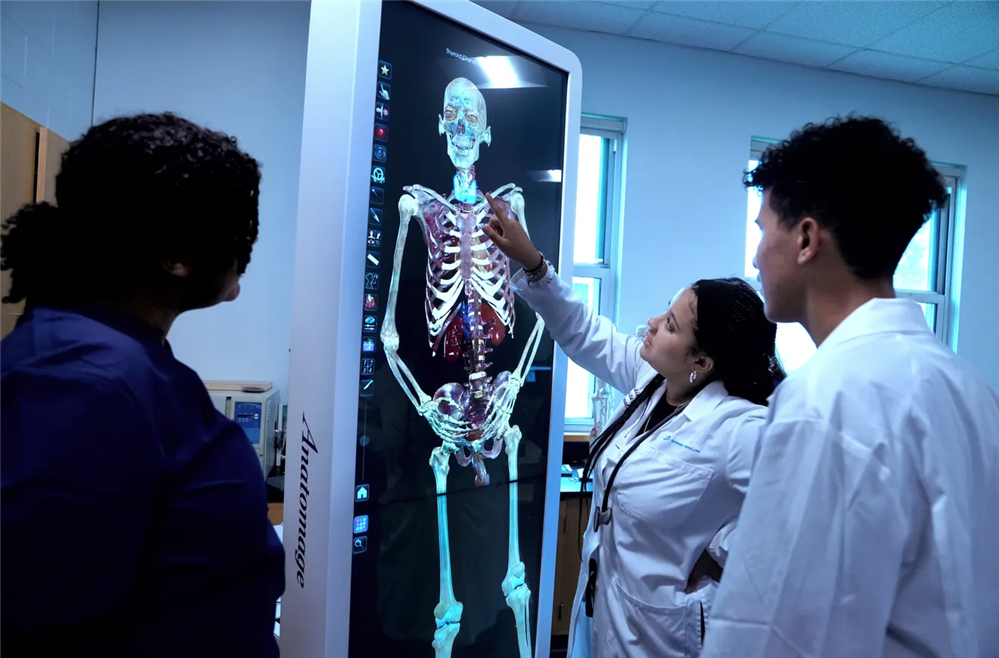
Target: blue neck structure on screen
(465,188)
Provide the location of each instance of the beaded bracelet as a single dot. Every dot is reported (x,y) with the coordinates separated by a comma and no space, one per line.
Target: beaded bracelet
(535,275)
(537,269)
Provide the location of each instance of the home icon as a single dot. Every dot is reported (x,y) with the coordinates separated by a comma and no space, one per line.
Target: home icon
(361,493)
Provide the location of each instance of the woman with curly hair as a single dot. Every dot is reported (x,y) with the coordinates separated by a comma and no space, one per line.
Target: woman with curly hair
(670,471)
(134,515)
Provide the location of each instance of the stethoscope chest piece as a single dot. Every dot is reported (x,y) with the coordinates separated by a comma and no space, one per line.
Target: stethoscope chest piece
(601,516)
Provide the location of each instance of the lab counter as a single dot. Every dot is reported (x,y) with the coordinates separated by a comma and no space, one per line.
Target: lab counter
(573,515)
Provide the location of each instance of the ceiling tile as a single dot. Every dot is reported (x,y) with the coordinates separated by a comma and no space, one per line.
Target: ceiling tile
(39,72)
(986,61)
(504,8)
(983,81)
(637,4)
(13,50)
(594,16)
(850,23)
(748,13)
(689,32)
(795,50)
(956,33)
(35,18)
(888,66)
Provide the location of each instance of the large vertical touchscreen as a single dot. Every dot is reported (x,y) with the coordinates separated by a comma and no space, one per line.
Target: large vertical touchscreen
(455,370)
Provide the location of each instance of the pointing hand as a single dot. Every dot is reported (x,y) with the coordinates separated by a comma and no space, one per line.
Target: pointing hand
(511,238)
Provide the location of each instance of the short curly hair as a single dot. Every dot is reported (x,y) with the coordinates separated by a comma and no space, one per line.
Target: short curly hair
(860,179)
(134,193)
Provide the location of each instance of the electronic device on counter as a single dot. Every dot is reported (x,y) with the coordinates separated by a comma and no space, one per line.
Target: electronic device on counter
(254,406)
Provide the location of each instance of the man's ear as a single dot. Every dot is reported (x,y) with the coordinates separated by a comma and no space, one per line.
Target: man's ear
(810,240)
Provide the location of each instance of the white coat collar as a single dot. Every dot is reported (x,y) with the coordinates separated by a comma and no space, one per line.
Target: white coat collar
(878,316)
(703,403)
(706,400)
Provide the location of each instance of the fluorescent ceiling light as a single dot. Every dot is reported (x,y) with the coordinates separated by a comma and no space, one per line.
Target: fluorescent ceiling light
(546,176)
(500,71)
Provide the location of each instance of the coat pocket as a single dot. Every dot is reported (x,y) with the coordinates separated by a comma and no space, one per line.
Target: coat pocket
(634,629)
(661,489)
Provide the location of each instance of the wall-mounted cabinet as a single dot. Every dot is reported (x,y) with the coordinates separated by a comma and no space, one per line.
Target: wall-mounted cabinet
(29,161)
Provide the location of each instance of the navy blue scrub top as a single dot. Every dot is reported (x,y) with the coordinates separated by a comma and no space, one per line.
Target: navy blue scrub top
(134,515)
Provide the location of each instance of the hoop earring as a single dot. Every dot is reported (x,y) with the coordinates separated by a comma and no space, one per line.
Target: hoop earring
(693,377)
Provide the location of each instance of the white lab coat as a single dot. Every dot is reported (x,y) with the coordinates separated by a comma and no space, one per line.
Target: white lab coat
(676,495)
(872,522)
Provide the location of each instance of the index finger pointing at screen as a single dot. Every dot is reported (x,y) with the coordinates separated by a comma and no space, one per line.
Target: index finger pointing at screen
(497,210)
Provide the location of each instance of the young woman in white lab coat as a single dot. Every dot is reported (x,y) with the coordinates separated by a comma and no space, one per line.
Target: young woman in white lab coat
(670,472)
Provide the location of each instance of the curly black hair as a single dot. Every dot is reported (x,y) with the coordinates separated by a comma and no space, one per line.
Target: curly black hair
(859,178)
(731,326)
(132,194)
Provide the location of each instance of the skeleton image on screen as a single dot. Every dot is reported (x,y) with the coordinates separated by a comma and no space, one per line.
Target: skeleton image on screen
(469,309)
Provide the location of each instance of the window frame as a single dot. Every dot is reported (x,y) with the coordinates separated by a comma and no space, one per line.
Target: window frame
(941,296)
(608,270)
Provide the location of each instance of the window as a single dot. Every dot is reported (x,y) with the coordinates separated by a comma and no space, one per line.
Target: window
(923,274)
(594,252)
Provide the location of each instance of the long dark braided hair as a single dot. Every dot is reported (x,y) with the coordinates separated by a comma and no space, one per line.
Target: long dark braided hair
(730,326)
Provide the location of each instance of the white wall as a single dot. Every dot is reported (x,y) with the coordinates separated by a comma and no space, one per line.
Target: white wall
(47,62)
(238,67)
(690,117)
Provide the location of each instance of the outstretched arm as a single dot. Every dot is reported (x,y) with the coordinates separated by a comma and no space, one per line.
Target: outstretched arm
(587,338)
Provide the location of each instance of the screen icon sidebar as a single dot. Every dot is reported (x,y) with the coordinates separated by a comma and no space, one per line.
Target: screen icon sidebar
(372,264)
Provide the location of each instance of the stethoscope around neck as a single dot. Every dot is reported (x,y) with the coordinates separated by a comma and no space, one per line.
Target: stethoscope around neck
(603,514)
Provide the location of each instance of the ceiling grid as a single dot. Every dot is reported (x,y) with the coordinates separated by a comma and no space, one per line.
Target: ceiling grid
(945,44)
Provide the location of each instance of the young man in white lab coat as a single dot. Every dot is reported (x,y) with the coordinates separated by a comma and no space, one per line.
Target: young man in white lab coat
(870,527)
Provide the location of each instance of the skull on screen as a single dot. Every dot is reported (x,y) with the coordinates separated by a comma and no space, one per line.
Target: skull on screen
(464,122)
